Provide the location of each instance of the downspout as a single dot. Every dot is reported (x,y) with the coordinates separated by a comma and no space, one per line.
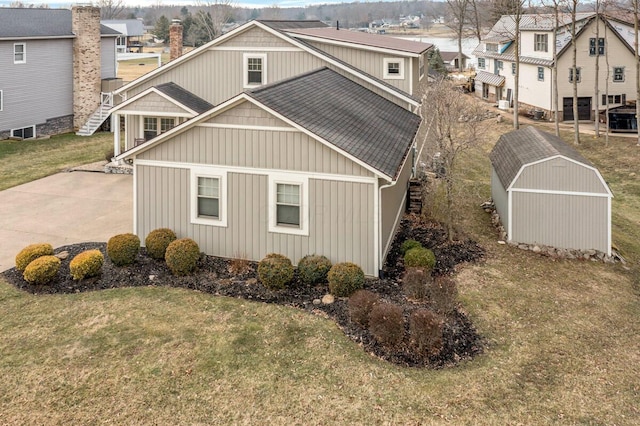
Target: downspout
(379,257)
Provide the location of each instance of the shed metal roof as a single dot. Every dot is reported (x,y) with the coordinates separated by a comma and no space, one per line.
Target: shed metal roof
(39,23)
(528,145)
(345,114)
(489,78)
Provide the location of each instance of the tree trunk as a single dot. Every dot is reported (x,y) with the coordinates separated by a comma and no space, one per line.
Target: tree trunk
(596,104)
(635,46)
(576,125)
(555,71)
(516,78)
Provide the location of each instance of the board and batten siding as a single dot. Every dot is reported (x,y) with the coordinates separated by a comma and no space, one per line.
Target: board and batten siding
(264,149)
(559,174)
(41,88)
(392,205)
(108,58)
(341,217)
(500,198)
(560,220)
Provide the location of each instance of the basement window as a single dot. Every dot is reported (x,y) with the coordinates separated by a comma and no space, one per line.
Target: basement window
(24,133)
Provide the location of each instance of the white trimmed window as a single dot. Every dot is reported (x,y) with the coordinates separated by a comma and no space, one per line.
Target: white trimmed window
(208,197)
(24,133)
(393,68)
(289,204)
(255,69)
(541,43)
(19,53)
(481,63)
(618,74)
(153,126)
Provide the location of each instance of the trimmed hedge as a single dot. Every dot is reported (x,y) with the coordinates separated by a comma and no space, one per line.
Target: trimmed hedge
(157,242)
(42,270)
(182,256)
(419,257)
(386,324)
(275,271)
(345,278)
(408,245)
(360,304)
(425,329)
(313,269)
(86,264)
(123,249)
(31,253)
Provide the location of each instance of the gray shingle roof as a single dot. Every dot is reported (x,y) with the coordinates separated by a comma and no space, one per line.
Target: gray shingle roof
(32,23)
(184,97)
(287,25)
(354,119)
(525,146)
(128,27)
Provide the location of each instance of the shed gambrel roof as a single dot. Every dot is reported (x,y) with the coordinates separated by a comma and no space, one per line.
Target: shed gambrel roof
(528,145)
(21,23)
(184,97)
(354,119)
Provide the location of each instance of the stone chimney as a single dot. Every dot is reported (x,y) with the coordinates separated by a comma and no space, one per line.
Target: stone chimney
(175,40)
(85,24)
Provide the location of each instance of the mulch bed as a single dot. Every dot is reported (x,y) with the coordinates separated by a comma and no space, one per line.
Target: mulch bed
(214,276)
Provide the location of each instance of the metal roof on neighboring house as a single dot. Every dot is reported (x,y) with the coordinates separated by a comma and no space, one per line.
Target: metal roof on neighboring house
(489,78)
(364,39)
(127,27)
(527,145)
(184,97)
(286,25)
(354,119)
(38,23)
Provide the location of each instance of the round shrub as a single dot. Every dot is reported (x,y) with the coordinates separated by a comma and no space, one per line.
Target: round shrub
(275,271)
(345,278)
(31,253)
(182,256)
(416,282)
(86,264)
(419,257)
(123,249)
(408,245)
(157,242)
(425,329)
(313,269)
(360,304)
(443,295)
(42,270)
(386,324)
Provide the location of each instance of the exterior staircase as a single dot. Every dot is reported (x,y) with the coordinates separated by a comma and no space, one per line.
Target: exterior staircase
(98,117)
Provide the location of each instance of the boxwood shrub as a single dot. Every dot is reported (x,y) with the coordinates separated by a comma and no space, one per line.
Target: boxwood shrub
(42,270)
(31,253)
(182,256)
(86,264)
(419,257)
(345,278)
(157,242)
(313,269)
(408,245)
(275,271)
(123,249)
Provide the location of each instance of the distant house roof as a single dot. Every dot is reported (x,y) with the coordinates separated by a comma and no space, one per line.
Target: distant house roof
(364,39)
(490,78)
(285,25)
(22,23)
(184,97)
(450,56)
(345,114)
(127,27)
(527,145)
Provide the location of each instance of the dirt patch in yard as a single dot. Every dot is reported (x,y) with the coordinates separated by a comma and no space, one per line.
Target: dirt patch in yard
(214,275)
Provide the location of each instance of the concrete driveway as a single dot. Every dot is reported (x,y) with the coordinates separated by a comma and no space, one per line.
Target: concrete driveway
(63,209)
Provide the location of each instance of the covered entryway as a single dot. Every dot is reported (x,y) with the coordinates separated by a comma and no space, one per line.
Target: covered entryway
(584,108)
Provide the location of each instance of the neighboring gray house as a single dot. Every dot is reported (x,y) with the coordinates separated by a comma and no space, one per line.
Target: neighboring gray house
(546,193)
(130,34)
(450,60)
(46,88)
(316,163)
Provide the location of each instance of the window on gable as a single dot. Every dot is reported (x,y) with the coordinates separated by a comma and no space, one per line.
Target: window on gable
(593,47)
(289,204)
(255,72)
(19,53)
(491,47)
(208,200)
(540,73)
(481,63)
(618,74)
(393,68)
(541,43)
(577,75)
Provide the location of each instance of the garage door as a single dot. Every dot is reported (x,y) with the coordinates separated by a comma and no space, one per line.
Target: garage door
(584,108)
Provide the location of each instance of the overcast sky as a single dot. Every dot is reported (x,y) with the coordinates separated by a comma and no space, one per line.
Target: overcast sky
(240,3)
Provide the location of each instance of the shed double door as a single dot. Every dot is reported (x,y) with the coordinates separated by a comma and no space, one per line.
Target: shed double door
(584,108)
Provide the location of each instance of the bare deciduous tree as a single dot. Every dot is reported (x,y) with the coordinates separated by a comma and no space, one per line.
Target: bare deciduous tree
(212,16)
(574,72)
(111,9)
(459,10)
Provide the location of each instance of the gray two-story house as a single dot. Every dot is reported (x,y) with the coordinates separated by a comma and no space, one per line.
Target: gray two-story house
(52,64)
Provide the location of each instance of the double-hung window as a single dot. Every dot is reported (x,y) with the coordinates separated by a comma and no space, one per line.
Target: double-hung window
(513,68)
(19,53)
(618,74)
(596,46)
(393,68)
(540,73)
(481,63)
(255,69)
(541,43)
(571,75)
(208,192)
(289,204)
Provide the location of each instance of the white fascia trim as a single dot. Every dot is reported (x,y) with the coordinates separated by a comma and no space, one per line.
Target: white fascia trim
(156,114)
(287,178)
(256,49)
(35,38)
(319,139)
(377,223)
(245,68)
(609,227)
(385,70)
(593,169)
(189,111)
(353,45)
(258,171)
(555,192)
(248,127)
(210,172)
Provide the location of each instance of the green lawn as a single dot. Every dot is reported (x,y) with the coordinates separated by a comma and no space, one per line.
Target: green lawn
(563,344)
(27,160)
